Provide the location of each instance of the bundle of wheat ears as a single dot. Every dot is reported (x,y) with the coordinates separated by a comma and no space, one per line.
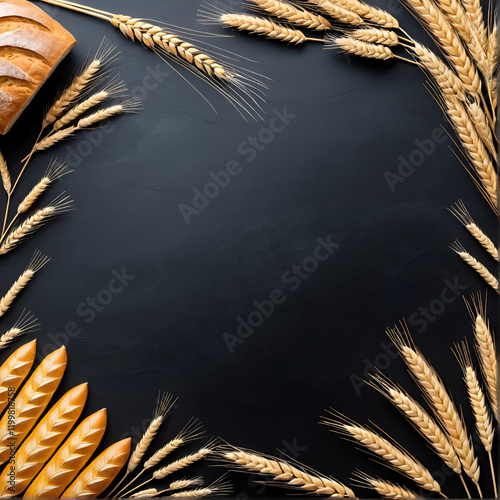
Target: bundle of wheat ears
(442,425)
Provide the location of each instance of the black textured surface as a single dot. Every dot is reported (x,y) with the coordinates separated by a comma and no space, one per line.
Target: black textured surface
(321,177)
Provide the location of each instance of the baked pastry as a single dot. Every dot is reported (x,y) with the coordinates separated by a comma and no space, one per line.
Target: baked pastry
(32,44)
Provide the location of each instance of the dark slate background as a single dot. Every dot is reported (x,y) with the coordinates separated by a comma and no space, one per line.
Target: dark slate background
(323,176)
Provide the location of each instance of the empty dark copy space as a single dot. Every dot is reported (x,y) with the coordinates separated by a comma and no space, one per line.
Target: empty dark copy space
(266,301)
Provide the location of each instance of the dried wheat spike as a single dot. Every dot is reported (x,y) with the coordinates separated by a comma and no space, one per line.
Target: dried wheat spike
(460,211)
(165,403)
(492,65)
(446,79)
(183,462)
(54,138)
(150,492)
(264,27)
(485,347)
(157,38)
(34,265)
(384,488)
(26,323)
(70,458)
(5,174)
(101,472)
(473,146)
(218,487)
(43,441)
(364,49)
(191,432)
(14,370)
(458,248)
(129,106)
(482,124)
(446,37)
(31,401)
(439,400)
(484,423)
(58,206)
(474,13)
(338,12)
(376,35)
(283,473)
(114,89)
(181,484)
(80,83)
(420,419)
(395,456)
(55,171)
(292,14)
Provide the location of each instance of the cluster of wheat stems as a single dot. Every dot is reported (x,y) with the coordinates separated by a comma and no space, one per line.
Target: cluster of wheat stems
(442,425)
(73,110)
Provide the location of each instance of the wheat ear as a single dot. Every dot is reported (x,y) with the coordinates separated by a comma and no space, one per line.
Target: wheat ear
(40,217)
(284,474)
(473,146)
(380,36)
(485,347)
(460,211)
(80,84)
(174,486)
(55,171)
(474,13)
(420,419)
(150,492)
(338,12)
(447,81)
(484,423)
(26,323)
(292,14)
(492,66)
(183,462)
(35,264)
(218,487)
(101,472)
(262,26)
(481,269)
(439,400)
(5,174)
(114,89)
(482,125)
(70,458)
(439,26)
(43,441)
(384,488)
(364,49)
(393,454)
(13,372)
(31,402)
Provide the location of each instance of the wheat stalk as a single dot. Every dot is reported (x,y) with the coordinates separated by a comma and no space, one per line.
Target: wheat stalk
(69,458)
(31,402)
(101,472)
(474,147)
(284,474)
(440,401)
(40,217)
(292,14)
(43,441)
(55,171)
(460,211)
(384,488)
(26,323)
(14,370)
(34,265)
(380,36)
(112,90)
(420,419)
(5,174)
(458,248)
(80,84)
(485,347)
(397,458)
(264,27)
(439,26)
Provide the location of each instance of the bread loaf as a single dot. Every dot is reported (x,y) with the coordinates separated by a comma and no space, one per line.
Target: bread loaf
(32,44)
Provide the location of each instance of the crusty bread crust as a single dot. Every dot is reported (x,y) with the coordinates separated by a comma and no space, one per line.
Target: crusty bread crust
(32,44)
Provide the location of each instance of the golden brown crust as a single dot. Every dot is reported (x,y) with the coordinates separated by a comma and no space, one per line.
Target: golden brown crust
(34,43)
